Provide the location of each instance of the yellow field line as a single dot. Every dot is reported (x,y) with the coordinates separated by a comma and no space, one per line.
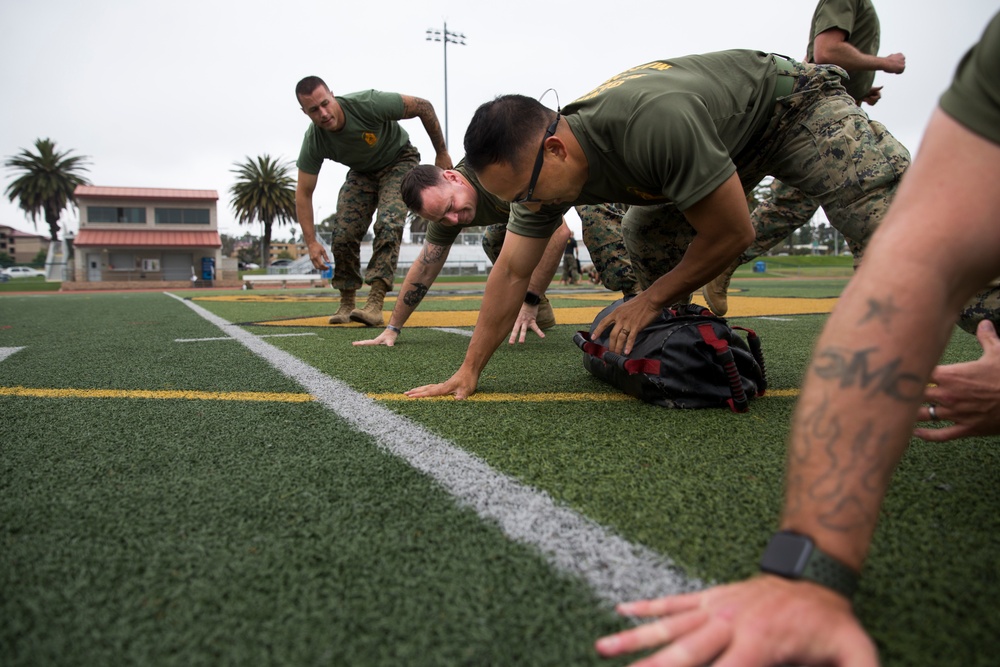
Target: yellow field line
(162,394)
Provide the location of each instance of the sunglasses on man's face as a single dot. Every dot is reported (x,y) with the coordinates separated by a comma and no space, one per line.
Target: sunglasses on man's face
(527,198)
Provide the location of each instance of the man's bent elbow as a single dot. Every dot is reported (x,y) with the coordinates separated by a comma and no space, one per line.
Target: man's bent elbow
(744,239)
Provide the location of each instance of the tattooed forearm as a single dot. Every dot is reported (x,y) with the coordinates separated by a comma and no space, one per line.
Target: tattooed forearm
(851,465)
(416,106)
(852,370)
(415,295)
(881,311)
(432,254)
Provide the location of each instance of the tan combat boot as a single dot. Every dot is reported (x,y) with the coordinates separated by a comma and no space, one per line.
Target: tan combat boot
(716,293)
(371,314)
(343,314)
(546,318)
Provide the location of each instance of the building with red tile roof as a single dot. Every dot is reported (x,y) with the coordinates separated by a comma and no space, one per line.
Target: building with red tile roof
(146,237)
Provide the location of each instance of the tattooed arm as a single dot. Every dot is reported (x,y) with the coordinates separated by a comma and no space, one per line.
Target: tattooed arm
(419,107)
(418,280)
(937,245)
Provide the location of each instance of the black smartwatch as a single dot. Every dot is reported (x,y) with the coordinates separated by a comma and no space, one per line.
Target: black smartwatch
(794,556)
(532,299)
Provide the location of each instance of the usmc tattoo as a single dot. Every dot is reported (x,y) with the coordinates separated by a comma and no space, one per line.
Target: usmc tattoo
(856,369)
(415,295)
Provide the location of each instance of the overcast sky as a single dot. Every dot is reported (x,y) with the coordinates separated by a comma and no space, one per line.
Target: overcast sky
(171,94)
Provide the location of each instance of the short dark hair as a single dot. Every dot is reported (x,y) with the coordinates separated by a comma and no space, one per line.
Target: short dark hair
(307,85)
(415,181)
(502,128)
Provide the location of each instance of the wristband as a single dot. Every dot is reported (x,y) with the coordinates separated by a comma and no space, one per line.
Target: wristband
(532,299)
(794,556)
(392,328)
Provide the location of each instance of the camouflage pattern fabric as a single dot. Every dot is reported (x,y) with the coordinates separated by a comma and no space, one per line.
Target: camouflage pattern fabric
(818,141)
(602,234)
(985,305)
(785,209)
(361,195)
(880,161)
(782,211)
(570,273)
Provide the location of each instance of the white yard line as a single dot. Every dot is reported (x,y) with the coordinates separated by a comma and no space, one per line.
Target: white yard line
(460,332)
(199,340)
(7,351)
(615,569)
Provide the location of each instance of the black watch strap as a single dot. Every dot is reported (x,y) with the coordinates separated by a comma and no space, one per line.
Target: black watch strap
(532,299)
(794,556)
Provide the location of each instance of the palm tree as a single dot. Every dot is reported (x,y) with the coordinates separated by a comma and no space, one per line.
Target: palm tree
(264,191)
(46,183)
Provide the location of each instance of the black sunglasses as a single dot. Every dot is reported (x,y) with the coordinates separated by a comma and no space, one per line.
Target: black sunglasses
(526,199)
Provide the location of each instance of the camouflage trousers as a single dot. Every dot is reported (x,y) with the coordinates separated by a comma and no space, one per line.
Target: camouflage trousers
(788,208)
(818,141)
(602,234)
(783,210)
(361,195)
(571,273)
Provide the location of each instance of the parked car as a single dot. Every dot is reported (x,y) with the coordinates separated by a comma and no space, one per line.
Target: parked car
(249,266)
(281,262)
(22,272)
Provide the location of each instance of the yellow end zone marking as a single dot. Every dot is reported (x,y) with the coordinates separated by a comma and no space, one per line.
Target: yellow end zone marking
(326,298)
(162,394)
(584,315)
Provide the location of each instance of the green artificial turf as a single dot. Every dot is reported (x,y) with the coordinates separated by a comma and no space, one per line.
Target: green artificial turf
(152,531)
(227,532)
(34,284)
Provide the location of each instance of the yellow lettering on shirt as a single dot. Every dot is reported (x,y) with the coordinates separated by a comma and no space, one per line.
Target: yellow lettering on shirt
(619,79)
(608,85)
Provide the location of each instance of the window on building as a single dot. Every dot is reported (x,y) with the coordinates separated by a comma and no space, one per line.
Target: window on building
(182,216)
(116,214)
(121,261)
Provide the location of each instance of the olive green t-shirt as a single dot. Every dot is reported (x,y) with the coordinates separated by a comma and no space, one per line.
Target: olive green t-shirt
(858,19)
(370,139)
(490,210)
(666,131)
(974,96)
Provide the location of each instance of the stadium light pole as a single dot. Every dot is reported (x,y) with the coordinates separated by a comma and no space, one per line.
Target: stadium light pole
(446,37)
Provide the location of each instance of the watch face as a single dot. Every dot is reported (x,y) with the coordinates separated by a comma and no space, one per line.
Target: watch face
(787,554)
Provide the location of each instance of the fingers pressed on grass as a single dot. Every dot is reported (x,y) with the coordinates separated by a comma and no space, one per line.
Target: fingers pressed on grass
(671,604)
(656,633)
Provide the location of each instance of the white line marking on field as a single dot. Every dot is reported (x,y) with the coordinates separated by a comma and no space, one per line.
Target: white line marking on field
(7,351)
(460,332)
(615,569)
(776,319)
(200,340)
